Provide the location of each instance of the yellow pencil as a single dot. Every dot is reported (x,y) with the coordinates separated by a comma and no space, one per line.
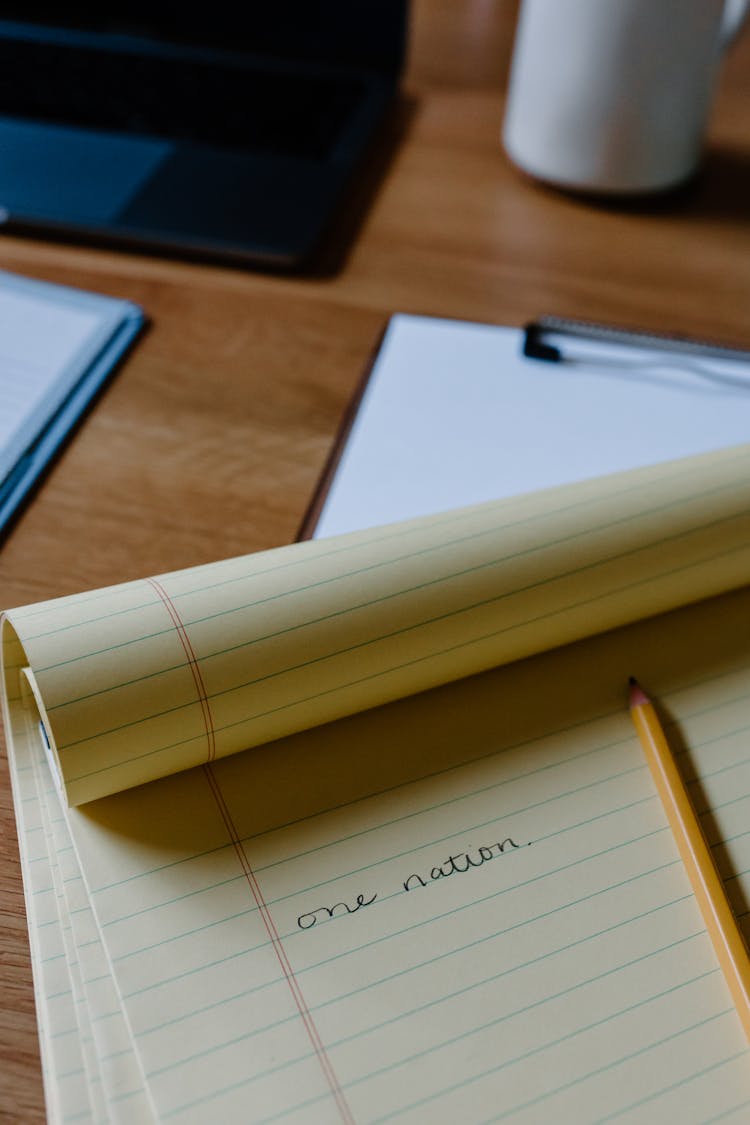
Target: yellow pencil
(696,855)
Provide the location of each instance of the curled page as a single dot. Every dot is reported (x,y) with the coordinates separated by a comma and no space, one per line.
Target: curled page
(142,680)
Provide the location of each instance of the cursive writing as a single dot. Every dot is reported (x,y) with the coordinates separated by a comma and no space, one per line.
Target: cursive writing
(460,863)
(307,921)
(457,863)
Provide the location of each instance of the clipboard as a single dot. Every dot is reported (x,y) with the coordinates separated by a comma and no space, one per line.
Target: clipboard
(450,413)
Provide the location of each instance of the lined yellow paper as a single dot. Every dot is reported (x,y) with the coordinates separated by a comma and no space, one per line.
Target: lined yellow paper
(568,978)
(152,677)
(462,905)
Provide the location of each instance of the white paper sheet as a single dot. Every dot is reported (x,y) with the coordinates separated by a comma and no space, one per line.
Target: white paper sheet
(454,414)
(49,336)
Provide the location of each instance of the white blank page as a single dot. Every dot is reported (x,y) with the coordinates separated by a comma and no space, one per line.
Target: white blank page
(454,414)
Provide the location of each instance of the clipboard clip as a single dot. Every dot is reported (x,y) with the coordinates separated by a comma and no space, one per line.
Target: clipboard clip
(669,358)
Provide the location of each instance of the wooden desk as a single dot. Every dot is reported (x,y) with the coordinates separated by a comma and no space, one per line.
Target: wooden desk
(211,438)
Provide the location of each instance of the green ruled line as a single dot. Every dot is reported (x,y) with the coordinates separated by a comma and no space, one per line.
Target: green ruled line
(381,792)
(402,532)
(464,831)
(431,1004)
(453,801)
(304,589)
(464,1035)
(416,925)
(338,577)
(397,933)
(471,828)
(583,1078)
(728,1112)
(606,815)
(416,1104)
(465,609)
(377,535)
(433,842)
(379,600)
(429,962)
(340,688)
(385,534)
(631,1056)
(297,932)
(441,773)
(522,776)
(186,933)
(676,1085)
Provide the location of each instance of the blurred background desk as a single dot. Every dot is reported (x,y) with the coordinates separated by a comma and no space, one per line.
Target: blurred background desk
(210,440)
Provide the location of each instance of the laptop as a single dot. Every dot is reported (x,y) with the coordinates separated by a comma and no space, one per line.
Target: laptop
(225,130)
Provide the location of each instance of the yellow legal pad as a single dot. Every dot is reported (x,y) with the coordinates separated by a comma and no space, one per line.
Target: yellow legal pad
(359,829)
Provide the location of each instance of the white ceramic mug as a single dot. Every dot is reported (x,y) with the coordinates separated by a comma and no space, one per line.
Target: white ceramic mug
(613,95)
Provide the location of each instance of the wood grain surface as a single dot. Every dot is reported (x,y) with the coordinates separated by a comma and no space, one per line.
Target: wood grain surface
(209,441)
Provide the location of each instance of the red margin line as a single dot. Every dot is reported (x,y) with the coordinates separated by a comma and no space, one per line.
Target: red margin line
(192,659)
(255,889)
(278,947)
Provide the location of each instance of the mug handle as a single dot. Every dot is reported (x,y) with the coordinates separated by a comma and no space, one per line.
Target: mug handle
(735,13)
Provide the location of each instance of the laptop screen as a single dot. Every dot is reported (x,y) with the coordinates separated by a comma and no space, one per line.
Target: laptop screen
(368,33)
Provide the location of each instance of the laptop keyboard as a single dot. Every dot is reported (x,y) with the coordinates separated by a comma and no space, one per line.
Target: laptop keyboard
(227,106)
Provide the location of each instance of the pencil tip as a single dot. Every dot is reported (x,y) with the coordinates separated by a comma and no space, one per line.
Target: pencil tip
(637,694)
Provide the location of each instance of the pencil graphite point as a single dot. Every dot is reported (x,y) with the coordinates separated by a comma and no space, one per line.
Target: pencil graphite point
(637,695)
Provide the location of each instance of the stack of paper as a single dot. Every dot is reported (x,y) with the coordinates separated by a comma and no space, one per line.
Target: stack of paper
(414,899)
